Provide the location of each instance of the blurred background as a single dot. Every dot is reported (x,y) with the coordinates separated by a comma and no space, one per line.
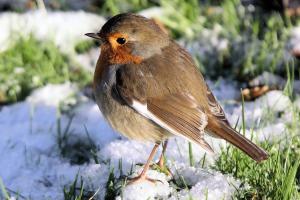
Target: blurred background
(238,40)
(52,132)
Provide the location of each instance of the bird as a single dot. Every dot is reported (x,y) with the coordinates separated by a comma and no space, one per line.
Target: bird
(149,88)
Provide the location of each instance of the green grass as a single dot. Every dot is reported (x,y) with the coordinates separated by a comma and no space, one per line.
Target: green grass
(8,194)
(278,176)
(72,192)
(271,179)
(182,18)
(78,151)
(84,46)
(256,41)
(77,191)
(4,193)
(29,64)
(111,192)
(113,7)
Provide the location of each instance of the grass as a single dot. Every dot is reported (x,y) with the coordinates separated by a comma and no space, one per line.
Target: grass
(8,194)
(72,193)
(256,42)
(272,179)
(4,192)
(78,151)
(77,191)
(84,46)
(110,186)
(113,7)
(275,178)
(29,64)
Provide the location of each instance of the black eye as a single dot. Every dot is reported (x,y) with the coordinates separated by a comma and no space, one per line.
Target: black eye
(121,40)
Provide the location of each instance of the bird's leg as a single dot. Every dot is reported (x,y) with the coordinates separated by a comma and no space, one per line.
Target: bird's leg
(161,160)
(143,175)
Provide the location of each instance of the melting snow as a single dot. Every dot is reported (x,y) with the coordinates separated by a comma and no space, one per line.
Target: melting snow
(32,165)
(49,26)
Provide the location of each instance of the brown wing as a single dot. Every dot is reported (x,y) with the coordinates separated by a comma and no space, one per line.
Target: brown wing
(180,114)
(214,107)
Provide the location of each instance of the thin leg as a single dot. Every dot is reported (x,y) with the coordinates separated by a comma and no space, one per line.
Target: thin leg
(143,176)
(162,158)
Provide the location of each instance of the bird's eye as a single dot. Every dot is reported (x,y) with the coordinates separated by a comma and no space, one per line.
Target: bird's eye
(121,40)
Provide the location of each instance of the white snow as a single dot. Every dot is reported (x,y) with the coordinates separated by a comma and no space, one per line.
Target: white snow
(262,108)
(153,12)
(32,165)
(146,189)
(64,28)
(207,184)
(273,132)
(52,94)
(295,39)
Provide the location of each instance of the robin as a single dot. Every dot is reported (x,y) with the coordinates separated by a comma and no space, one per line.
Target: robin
(148,88)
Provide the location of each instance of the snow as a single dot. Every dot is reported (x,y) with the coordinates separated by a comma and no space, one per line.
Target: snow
(153,12)
(273,102)
(273,132)
(64,28)
(27,145)
(32,165)
(146,189)
(52,94)
(232,92)
(207,184)
(30,156)
(31,162)
(295,39)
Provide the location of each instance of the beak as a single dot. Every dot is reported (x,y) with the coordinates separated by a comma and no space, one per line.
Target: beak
(94,35)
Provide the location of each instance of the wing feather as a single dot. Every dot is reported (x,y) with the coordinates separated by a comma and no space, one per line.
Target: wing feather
(181,115)
(215,108)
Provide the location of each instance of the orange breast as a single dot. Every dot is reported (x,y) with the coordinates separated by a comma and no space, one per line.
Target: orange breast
(112,56)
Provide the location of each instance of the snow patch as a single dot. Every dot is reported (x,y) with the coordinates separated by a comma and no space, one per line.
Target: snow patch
(61,27)
(206,184)
(32,164)
(147,190)
(52,94)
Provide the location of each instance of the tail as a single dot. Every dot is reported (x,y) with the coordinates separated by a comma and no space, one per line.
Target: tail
(227,133)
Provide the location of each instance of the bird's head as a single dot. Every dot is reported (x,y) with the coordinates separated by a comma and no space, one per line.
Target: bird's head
(130,38)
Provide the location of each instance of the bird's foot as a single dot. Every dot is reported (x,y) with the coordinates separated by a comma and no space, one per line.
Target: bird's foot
(141,178)
(159,166)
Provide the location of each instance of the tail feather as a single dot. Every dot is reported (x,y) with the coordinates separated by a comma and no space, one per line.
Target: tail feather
(227,133)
